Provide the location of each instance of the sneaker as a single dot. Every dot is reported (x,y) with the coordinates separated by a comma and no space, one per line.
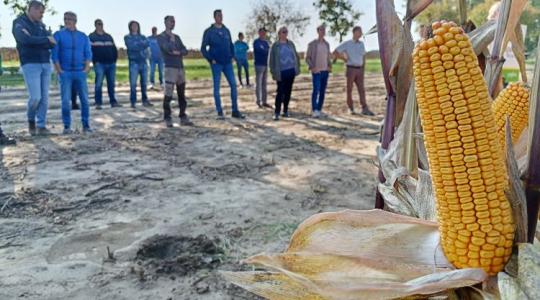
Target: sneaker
(185,121)
(7,141)
(316,114)
(367,112)
(238,115)
(43,131)
(259,105)
(276,117)
(322,115)
(220,116)
(133,106)
(98,107)
(169,123)
(147,104)
(267,105)
(351,111)
(285,114)
(87,130)
(151,87)
(75,106)
(32,128)
(67,131)
(116,104)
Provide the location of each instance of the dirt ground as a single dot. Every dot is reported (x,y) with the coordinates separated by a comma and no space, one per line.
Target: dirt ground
(139,211)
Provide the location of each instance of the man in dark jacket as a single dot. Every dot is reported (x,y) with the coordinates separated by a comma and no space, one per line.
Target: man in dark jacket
(72,56)
(34,43)
(104,56)
(173,50)
(218,49)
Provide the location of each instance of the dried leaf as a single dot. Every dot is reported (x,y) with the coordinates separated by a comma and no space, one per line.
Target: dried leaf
(516,192)
(516,10)
(518,48)
(482,37)
(415,7)
(357,255)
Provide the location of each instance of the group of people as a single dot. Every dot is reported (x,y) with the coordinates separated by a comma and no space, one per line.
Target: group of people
(72,52)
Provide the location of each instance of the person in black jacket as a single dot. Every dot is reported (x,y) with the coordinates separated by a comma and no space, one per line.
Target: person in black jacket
(104,54)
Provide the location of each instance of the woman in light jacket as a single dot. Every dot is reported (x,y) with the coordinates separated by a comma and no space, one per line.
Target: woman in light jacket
(284,67)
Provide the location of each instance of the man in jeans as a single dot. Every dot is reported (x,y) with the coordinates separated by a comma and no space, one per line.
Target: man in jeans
(4,140)
(33,44)
(353,53)
(218,49)
(319,61)
(261,49)
(104,56)
(72,56)
(173,51)
(137,46)
(156,59)
(241,49)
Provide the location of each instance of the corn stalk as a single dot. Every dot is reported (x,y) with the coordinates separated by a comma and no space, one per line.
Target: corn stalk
(532,181)
(395,46)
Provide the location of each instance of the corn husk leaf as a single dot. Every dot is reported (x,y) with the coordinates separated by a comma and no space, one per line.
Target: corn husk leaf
(518,48)
(415,7)
(532,177)
(482,36)
(357,255)
(516,10)
(516,192)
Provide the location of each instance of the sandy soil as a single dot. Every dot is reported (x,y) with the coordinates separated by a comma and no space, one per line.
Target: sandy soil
(138,211)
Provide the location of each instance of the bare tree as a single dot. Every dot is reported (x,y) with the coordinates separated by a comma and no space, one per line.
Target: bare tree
(271,14)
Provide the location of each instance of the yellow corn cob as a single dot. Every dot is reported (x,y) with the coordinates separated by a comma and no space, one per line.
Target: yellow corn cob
(513,102)
(465,158)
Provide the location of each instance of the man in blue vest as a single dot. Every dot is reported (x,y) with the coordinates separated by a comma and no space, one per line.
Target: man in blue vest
(261,49)
(217,47)
(72,56)
(34,42)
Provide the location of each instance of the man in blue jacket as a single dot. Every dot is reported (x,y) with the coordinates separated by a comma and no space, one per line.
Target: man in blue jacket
(137,47)
(72,56)
(104,57)
(261,49)
(241,49)
(156,59)
(218,49)
(33,44)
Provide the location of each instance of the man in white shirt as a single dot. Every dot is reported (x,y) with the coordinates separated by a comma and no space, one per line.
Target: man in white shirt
(353,53)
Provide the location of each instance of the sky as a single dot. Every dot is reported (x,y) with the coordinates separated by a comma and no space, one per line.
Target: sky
(192,18)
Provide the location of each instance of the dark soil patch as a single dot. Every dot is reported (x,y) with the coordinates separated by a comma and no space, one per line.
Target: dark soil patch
(179,255)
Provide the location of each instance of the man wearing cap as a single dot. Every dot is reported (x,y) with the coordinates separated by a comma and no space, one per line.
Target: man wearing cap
(261,49)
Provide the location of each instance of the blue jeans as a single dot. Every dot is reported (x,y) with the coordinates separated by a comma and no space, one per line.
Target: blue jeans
(103,71)
(153,63)
(243,64)
(135,70)
(67,81)
(37,78)
(228,71)
(320,82)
